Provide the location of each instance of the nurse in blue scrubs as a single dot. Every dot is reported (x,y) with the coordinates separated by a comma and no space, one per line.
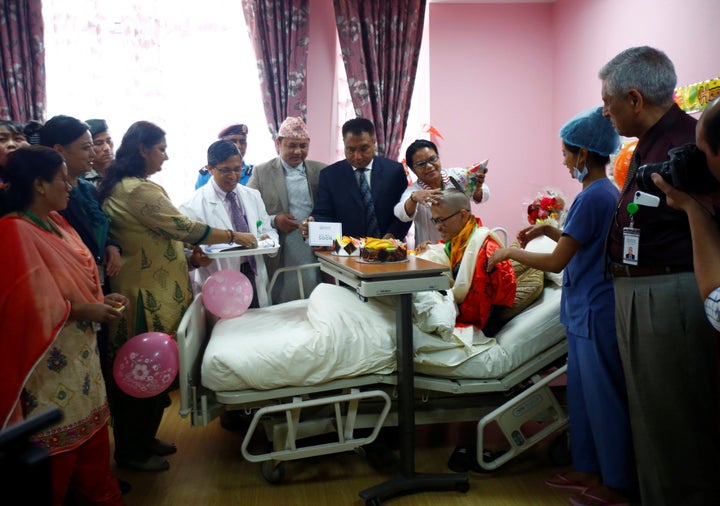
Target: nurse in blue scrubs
(600,438)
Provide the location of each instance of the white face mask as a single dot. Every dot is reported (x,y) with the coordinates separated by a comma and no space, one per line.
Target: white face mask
(580,175)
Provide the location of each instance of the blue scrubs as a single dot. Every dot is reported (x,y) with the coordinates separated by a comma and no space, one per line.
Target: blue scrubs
(600,435)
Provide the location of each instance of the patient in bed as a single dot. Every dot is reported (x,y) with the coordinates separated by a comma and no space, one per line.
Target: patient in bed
(465,249)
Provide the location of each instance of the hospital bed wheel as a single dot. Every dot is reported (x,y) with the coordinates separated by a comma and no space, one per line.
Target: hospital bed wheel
(272,472)
(559,450)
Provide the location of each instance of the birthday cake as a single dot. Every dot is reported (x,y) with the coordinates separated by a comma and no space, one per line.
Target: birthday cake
(382,250)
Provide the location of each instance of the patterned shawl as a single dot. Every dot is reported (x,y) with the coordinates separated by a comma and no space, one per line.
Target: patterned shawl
(42,275)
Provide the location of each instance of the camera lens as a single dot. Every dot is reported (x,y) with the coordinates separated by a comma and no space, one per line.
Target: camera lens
(644,179)
(686,170)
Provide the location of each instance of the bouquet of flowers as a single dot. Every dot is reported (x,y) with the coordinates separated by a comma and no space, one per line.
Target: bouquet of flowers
(548,207)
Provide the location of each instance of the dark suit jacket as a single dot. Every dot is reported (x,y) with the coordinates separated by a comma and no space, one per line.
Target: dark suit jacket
(339,200)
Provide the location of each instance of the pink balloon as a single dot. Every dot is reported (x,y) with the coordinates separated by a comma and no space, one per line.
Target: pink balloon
(146,365)
(227,293)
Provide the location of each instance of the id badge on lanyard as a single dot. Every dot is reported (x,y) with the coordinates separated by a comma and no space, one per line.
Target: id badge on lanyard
(631,238)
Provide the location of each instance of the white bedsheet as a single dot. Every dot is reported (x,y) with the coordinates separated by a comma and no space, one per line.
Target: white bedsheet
(531,332)
(334,335)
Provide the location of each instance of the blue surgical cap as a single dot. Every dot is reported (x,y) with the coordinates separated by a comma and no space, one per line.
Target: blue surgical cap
(592,131)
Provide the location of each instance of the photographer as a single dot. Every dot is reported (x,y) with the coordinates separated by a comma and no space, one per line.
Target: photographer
(701,214)
(667,346)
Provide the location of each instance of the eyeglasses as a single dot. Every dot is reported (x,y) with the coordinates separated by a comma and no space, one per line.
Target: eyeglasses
(225,171)
(424,163)
(440,221)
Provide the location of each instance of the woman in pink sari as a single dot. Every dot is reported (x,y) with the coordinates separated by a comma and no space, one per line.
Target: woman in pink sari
(51,304)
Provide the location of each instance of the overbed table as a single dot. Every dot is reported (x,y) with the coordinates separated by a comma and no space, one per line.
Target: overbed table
(401,279)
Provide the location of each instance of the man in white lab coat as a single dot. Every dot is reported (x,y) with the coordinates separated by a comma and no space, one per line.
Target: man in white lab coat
(223,203)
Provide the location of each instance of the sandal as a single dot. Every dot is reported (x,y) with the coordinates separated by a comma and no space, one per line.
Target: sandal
(598,496)
(562,481)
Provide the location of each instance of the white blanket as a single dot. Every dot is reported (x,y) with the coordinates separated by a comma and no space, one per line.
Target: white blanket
(331,335)
(334,335)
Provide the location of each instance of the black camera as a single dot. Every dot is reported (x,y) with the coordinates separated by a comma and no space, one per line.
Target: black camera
(686,170)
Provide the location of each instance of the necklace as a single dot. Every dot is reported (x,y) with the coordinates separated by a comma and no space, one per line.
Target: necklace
(49,227)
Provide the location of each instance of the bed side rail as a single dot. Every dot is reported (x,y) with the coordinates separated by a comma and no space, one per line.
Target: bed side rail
(536,403)
(298,272)
(191,344)
(501,232)
(286,434)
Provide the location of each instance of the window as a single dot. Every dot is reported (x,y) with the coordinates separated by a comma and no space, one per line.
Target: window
(187,66)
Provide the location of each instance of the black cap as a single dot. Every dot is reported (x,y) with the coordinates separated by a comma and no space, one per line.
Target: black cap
(97,126)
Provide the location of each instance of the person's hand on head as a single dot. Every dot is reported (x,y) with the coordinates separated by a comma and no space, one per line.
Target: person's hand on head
(427,197)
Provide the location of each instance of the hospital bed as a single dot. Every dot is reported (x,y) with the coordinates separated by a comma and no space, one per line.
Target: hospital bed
(302,369)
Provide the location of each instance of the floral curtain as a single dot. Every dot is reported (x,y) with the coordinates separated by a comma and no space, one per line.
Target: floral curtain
(279,31)
(380,44)
(22,66)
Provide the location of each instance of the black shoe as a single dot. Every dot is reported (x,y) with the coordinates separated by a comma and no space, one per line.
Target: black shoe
(464,459)
(161,448)
(125,486)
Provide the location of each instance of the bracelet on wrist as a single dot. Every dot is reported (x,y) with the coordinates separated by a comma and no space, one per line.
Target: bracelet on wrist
(412,197)
(230,237)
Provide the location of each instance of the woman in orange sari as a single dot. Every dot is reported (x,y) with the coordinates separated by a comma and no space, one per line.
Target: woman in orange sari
(51,305)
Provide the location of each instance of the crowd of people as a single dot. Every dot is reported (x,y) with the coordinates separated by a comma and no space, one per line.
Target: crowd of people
(97,253)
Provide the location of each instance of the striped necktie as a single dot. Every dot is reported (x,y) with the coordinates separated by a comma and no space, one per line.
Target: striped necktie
(371,224)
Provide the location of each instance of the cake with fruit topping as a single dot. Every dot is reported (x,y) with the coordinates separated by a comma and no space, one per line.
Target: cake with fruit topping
(382,250)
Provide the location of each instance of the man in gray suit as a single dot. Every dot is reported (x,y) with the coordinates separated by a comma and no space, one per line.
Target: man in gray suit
(288,185)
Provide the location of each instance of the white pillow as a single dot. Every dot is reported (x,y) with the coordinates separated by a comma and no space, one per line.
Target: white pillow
(544,244)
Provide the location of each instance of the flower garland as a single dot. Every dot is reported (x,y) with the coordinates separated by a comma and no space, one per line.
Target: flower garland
(547,208)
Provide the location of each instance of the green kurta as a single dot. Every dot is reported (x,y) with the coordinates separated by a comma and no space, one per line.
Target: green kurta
(154,273)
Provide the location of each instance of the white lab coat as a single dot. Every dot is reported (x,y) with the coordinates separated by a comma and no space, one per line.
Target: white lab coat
(206,206)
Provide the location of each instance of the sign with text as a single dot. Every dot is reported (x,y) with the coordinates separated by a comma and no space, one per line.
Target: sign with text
(322,233)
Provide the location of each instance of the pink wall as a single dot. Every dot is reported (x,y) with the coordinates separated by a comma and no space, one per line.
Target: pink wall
(503,78)
(525,69)
(491,90)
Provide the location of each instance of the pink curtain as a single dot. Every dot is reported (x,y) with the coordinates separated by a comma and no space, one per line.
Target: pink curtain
(380,43)
(22,66)
(279,32)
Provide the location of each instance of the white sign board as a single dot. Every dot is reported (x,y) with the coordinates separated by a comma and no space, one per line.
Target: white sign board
(323,233)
